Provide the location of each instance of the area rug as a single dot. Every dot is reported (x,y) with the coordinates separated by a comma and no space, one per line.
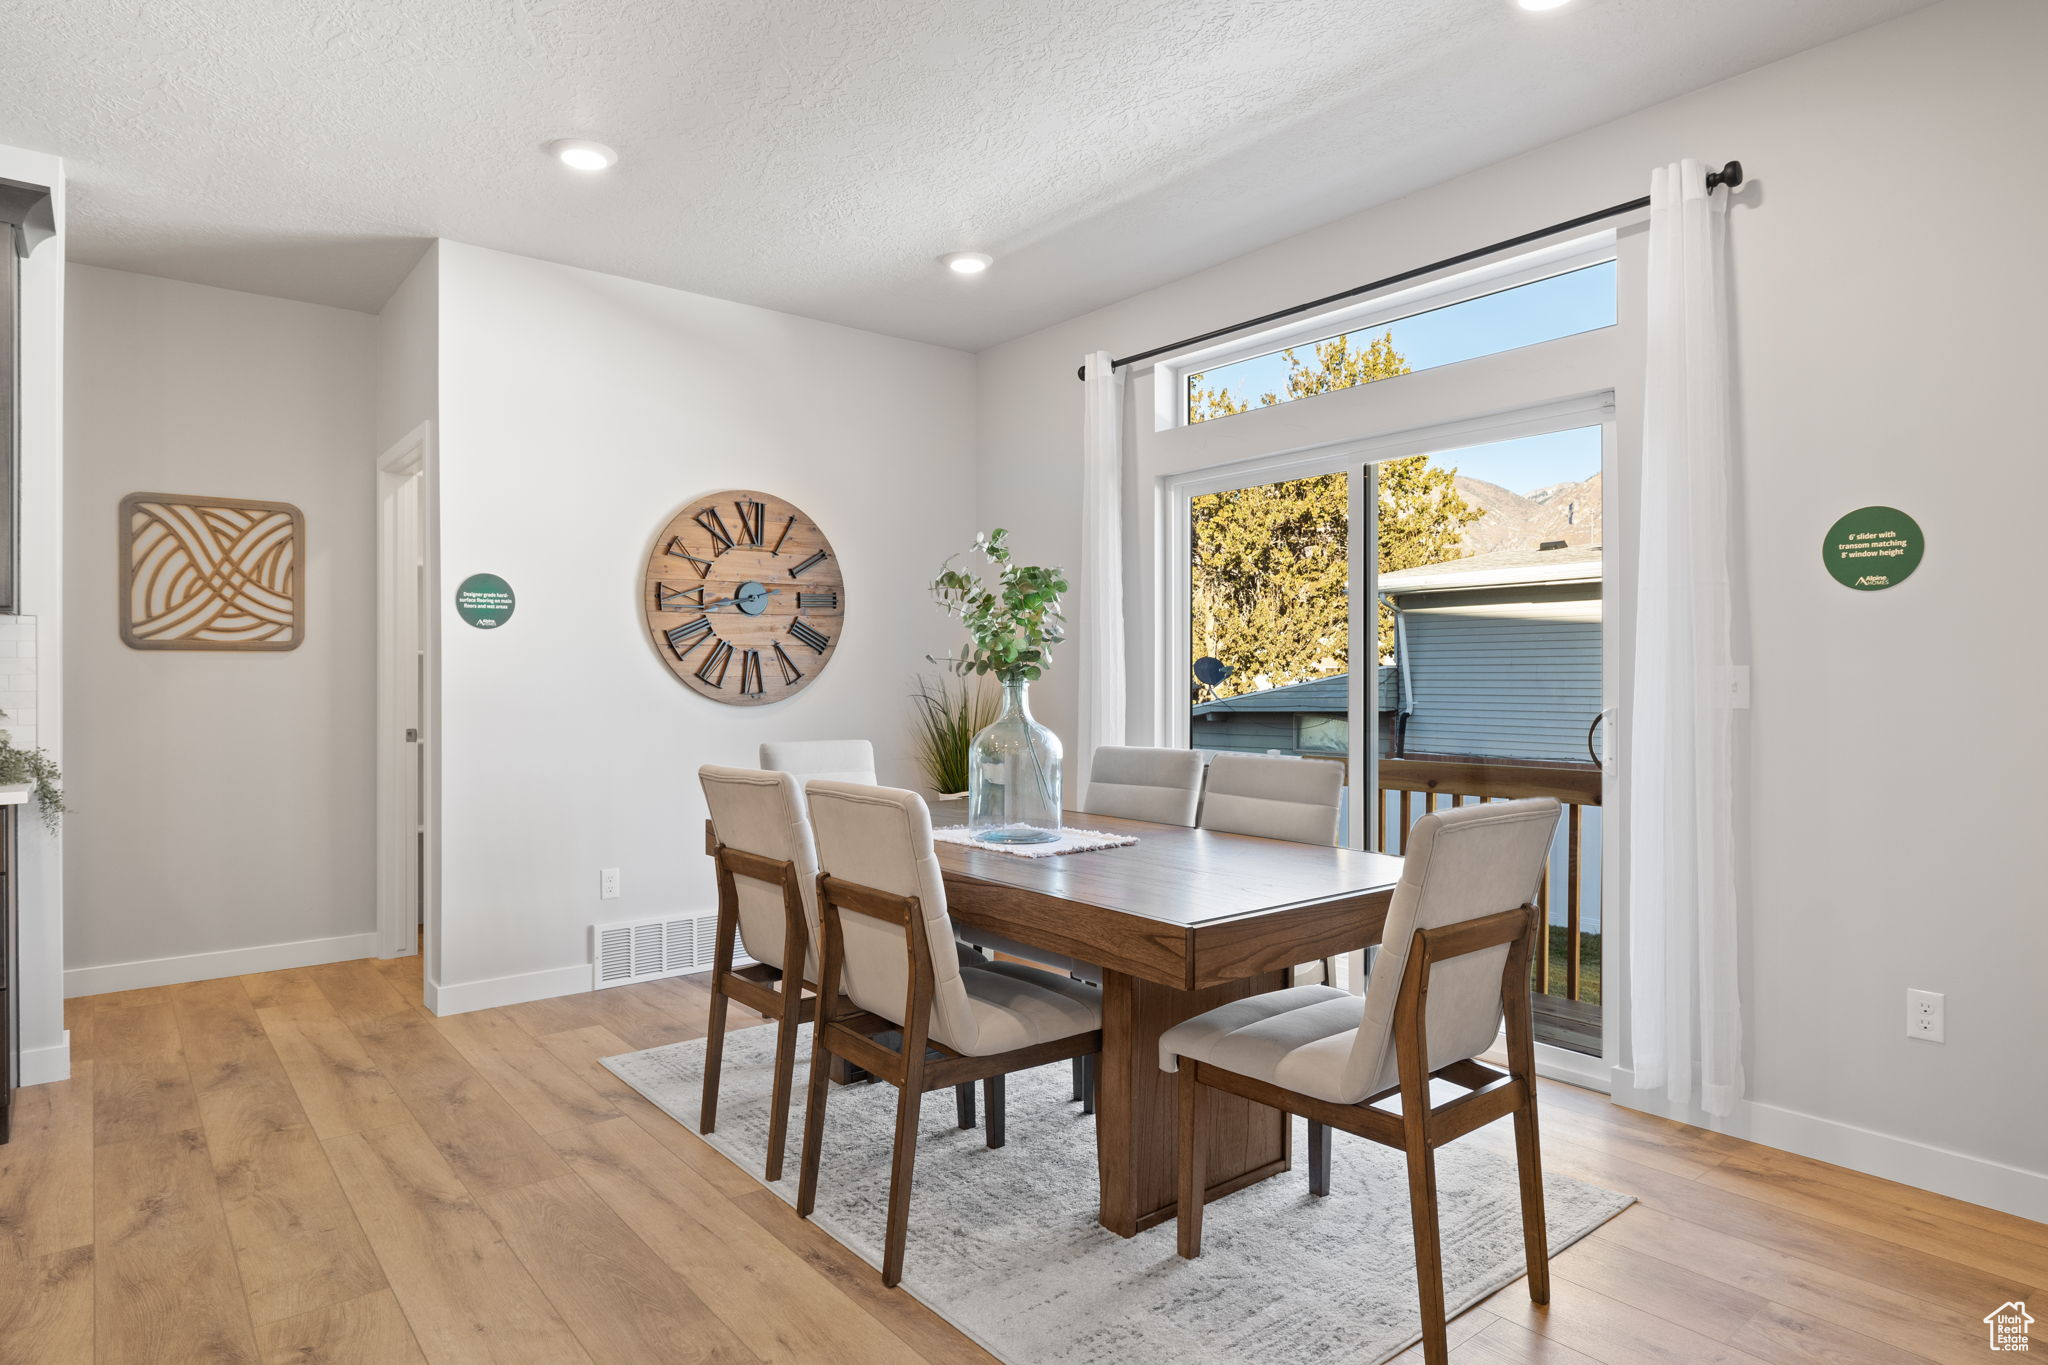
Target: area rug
(1004,1244)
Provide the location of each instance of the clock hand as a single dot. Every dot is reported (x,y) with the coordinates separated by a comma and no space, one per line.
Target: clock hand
(734,601)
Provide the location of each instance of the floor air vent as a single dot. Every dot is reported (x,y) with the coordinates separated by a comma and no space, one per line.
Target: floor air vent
(646,949)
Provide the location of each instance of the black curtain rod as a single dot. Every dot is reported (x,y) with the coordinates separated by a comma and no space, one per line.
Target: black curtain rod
(1729,175)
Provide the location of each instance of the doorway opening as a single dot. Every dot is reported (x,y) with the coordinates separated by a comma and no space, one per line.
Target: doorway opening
(404,809)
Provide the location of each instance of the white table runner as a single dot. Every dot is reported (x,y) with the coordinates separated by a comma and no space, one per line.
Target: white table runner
(1070,841)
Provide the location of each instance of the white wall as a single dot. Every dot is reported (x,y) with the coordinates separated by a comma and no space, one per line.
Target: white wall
(222,800)
(1889,279)
(408,374)
(39,973)
(579,412)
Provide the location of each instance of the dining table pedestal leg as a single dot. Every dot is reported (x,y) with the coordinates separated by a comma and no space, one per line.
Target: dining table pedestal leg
(1137,1115)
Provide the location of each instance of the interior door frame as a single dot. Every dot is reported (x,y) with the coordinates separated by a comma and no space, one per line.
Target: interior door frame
(407,805)
(1356,458)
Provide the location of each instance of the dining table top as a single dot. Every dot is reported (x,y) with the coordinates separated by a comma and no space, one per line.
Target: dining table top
(1186,878)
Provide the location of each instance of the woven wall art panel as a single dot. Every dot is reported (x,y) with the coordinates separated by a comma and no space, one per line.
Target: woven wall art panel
(211,573)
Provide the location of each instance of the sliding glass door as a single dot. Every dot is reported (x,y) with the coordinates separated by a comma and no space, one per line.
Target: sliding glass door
(1434,622)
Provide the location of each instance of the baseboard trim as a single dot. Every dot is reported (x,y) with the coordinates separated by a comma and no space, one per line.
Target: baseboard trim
(41,1065)
(1973,1179)
(461,997)
(173,971)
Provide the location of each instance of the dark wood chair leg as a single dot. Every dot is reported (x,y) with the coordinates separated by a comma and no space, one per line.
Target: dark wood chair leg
(992,1100)
(814,1121)
(785,1078)
(1193,1184)
(1429,1255)
(1535,1236)
(1091,1067)
(901,1168)
(1318,1158)
(714,1054)
(1080,1069)
(963,1102)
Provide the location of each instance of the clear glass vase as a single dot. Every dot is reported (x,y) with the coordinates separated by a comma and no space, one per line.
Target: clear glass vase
(1013,794)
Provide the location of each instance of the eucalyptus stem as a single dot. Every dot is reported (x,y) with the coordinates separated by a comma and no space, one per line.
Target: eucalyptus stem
(1012,626)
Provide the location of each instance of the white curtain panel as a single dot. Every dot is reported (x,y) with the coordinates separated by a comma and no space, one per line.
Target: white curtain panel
(1685,1008)
(1099,591)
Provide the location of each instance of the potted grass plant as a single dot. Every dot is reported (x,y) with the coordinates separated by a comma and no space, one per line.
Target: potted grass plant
(947,722)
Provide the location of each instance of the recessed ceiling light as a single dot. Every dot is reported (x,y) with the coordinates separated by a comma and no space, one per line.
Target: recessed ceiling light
(581,154)
(1542,4)
(968,262)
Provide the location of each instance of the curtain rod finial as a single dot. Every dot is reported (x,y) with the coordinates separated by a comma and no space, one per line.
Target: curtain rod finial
(1729,175)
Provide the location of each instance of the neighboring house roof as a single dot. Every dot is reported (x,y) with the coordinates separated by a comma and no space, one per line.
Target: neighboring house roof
(1330,695)
(1502,568)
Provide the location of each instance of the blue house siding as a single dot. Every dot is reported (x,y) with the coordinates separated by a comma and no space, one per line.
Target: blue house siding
(1501,686)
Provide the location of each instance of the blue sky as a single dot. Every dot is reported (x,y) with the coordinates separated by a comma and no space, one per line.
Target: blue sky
(1559,306)
(1533,462)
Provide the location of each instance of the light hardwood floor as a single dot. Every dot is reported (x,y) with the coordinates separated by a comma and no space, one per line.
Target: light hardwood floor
(304,1166)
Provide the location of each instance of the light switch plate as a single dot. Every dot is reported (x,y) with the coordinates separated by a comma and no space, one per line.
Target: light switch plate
(1738,687)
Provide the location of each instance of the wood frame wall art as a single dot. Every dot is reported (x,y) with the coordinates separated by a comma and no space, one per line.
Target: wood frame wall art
(211,573)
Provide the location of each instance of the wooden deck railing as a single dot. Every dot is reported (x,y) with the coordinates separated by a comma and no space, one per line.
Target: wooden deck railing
(1454,783)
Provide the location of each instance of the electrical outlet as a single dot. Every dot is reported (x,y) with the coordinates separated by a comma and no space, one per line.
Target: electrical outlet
(1924,1011)
(608,883)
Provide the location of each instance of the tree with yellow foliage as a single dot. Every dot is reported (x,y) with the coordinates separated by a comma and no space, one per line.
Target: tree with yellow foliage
(1270,574)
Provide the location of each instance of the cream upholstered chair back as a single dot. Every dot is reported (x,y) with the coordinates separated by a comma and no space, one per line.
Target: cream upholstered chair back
(1459,865)
(1275,798)
(881,838)
(1160,785)
(835,760)
(763,813)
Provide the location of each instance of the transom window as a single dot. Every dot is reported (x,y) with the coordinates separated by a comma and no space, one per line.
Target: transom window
(1506,319)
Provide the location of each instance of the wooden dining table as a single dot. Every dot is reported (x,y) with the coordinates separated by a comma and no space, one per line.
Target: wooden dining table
(1180,922)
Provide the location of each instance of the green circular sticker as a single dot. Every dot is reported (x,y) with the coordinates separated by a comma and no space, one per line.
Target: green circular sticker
(1873,548)
(484,600)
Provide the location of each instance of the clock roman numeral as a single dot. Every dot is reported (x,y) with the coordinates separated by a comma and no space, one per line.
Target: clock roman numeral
(787,527)
(715,524)
(809,564)
(790,672)
(677,599)
(753,521)
(750,673)
(817,601)
(675,547)
(688,636)
(712,670)
(806,635)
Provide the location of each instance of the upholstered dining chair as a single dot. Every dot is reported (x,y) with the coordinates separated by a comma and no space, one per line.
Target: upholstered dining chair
(1163,786)
(886,966)
(839,760)
(1454,962)
(1296,799)
(767,873)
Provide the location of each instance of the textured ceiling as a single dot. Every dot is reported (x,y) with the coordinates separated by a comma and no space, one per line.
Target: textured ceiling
(814,155)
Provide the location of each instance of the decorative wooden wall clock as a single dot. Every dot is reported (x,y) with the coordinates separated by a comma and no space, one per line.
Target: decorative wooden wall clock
(744,598)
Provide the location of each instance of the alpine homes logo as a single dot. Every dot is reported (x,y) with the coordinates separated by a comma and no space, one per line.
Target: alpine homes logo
(2008,1323)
